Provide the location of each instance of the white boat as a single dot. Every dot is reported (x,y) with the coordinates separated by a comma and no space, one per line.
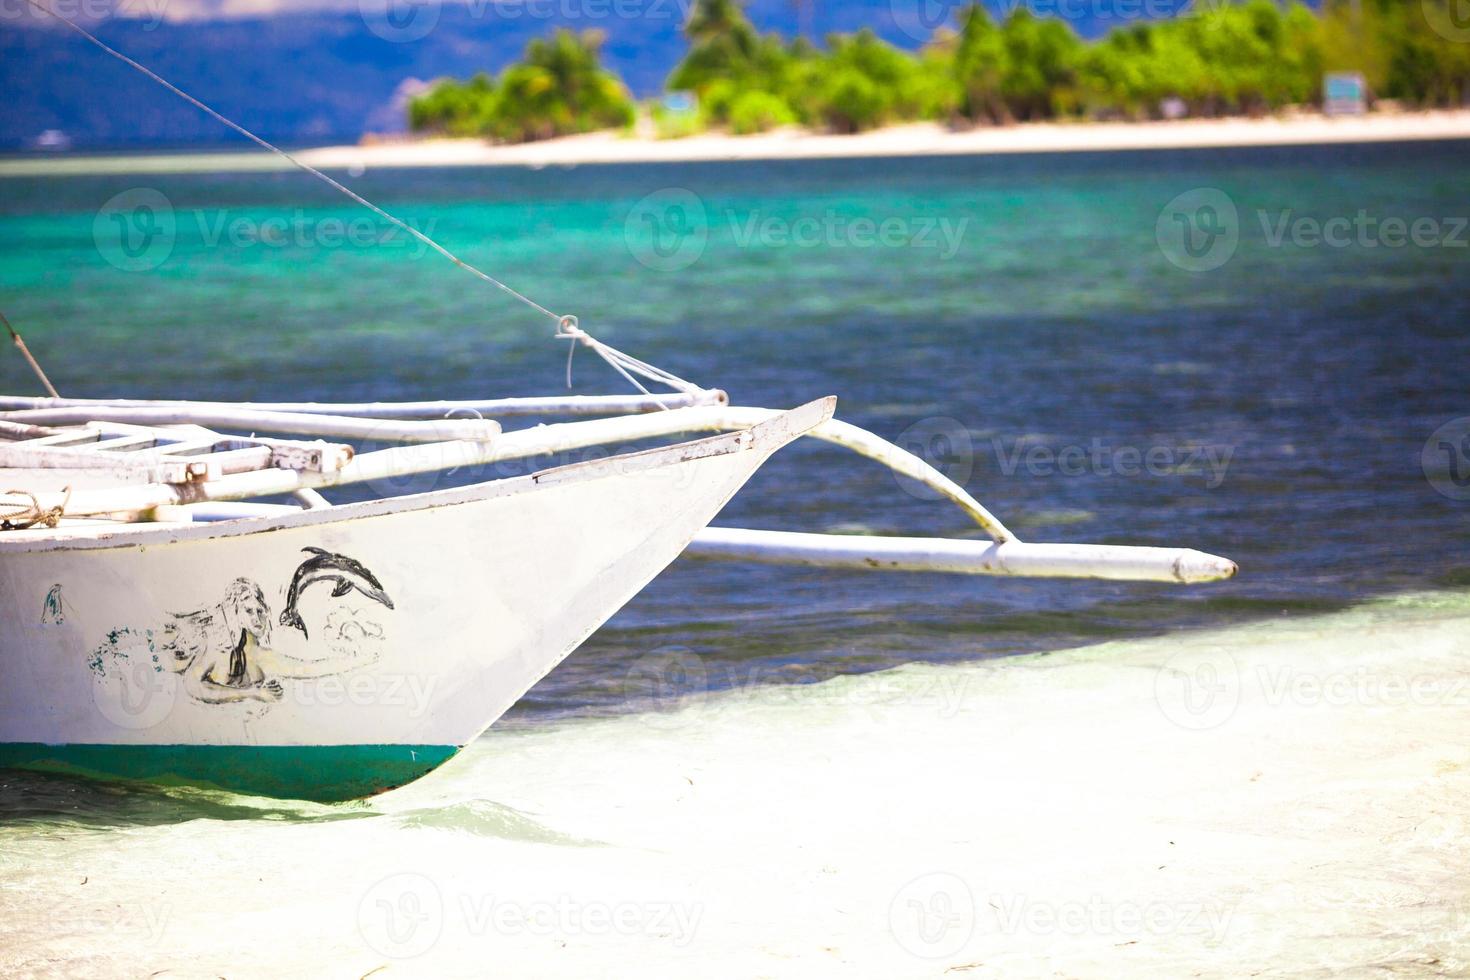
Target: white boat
(160,622)
(157,627)
(330,652)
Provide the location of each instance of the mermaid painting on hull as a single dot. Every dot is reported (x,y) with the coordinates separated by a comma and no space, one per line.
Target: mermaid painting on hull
(222,653)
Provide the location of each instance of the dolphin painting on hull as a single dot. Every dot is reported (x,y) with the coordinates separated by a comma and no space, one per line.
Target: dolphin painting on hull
(345,574)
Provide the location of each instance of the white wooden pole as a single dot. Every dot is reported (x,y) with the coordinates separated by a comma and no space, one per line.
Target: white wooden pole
(570,405)
(1005,555)
(256,420)
(1014,558)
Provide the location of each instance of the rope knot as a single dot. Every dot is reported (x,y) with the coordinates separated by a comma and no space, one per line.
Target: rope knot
(23,516)
(567,328)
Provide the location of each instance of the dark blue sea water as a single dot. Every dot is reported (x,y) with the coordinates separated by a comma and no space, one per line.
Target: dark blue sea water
(1037,325)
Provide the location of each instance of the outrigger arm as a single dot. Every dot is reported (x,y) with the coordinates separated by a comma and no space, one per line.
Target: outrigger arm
(1003,554)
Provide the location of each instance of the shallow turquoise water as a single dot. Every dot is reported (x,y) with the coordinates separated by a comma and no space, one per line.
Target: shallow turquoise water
(792,819)
(1021,312)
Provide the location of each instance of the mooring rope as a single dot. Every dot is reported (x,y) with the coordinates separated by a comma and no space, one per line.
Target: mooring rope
(22,516)
(25,352)
(567,327)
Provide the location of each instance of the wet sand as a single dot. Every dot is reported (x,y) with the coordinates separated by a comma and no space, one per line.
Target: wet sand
(1289,798)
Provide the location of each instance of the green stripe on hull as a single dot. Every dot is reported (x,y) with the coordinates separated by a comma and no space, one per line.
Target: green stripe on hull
(321,773)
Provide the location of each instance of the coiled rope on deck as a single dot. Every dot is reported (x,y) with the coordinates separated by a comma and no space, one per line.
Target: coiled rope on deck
(22,516)
(567,328)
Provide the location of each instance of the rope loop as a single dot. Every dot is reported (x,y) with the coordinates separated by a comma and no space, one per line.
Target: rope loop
(22,516)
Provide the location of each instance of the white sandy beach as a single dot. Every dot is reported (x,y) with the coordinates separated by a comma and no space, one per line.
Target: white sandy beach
(924,139)
(1287,799)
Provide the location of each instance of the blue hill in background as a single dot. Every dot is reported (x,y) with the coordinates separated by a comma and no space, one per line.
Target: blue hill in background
(324,77)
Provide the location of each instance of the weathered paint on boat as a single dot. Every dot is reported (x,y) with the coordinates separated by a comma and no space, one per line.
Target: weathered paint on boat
(333,653)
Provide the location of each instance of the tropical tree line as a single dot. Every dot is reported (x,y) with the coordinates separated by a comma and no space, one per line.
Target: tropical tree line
(1248,57)
(558,87)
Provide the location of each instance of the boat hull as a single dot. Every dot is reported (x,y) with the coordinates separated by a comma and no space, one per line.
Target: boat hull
(336,653)
(320,773)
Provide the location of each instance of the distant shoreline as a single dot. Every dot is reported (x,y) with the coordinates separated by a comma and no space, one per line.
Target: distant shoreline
(925,139)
